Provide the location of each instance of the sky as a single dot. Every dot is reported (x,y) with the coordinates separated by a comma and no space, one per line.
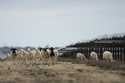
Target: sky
(58,22)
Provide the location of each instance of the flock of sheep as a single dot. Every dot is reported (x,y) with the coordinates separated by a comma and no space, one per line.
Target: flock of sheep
(50,55)
(47,55)
(107,56)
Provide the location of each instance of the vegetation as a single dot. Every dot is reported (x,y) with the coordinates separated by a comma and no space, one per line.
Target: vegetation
(65,71)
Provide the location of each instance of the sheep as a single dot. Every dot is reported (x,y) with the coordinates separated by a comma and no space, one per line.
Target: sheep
(48,51)
(108,56)
(80,56)
(93,56)
(13,52)
(52,57)
(28,50)
(30,54)
(35,54)
(21,54)
(56,52)
(40,48)
(24,54)
(39,54)
(43,55)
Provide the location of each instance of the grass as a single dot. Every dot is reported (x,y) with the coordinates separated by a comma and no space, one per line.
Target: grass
(65,71)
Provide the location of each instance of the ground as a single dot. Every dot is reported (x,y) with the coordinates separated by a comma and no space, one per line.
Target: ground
(62,72)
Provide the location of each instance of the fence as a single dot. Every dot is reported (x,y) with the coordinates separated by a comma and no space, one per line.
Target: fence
(118,52)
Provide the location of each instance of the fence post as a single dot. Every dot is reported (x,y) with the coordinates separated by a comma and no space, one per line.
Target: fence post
(123,55)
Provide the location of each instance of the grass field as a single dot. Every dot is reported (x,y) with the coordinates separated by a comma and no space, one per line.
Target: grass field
(62,72)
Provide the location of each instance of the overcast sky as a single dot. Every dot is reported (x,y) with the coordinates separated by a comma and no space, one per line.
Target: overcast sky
(58,22)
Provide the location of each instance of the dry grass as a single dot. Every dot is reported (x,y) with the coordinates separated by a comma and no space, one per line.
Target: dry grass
(62,72)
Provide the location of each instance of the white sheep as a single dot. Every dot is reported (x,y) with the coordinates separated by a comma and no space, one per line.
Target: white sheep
(94,56)
(43,53)
(32,54)
(108,56)
(39,54)
(48,51)
(44,56)
(24,54)
(57,54)
(21,54)
(81,56)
